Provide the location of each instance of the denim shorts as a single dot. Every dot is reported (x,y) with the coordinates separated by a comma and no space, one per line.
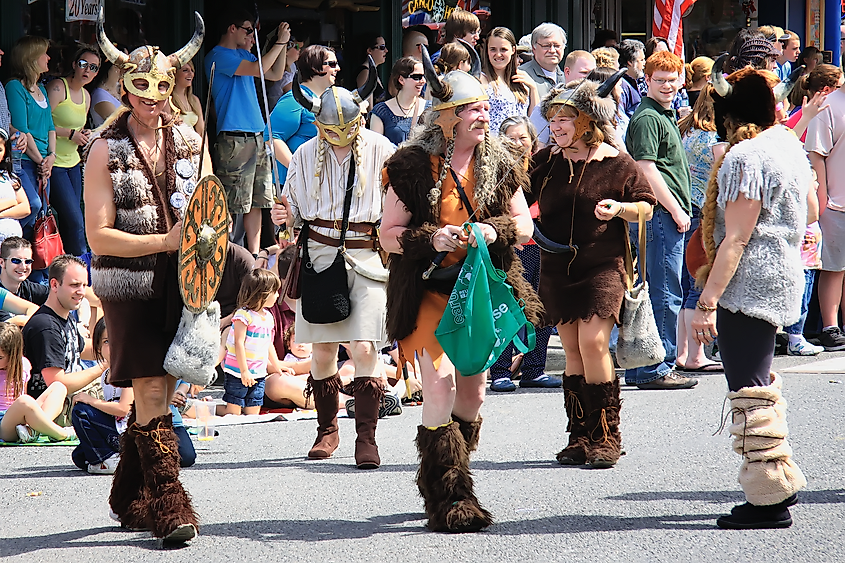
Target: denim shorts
(2,414)
(236,393)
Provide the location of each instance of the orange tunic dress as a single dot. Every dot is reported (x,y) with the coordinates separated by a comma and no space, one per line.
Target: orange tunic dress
(452,212)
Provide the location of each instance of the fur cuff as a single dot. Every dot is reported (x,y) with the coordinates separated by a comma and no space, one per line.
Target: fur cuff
(416,243)
(505,231)
(770,482)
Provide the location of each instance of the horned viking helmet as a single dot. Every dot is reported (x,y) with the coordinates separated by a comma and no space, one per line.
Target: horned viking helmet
(337,110)
(147,64)
(591,99)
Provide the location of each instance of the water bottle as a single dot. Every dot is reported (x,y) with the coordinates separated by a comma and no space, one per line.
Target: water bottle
(16,154)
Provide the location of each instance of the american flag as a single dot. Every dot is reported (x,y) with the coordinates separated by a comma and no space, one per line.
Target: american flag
(668,22)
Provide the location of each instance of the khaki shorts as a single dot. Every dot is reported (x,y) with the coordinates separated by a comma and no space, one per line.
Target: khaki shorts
(243,167)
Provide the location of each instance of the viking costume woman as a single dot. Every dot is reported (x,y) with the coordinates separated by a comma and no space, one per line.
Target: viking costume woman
(752,227)
(140,172)
(580,182)
(428,198)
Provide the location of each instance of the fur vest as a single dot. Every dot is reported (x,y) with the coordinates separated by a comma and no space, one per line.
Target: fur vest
(409,170)
(141,207)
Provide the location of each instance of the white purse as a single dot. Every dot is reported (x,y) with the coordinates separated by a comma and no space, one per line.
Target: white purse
(192,357)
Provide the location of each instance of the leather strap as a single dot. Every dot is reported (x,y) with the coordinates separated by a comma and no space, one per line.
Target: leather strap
(368,228)
(329,241)
(641,249)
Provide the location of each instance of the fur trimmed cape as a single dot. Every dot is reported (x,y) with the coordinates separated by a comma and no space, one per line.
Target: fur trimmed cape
(409,171)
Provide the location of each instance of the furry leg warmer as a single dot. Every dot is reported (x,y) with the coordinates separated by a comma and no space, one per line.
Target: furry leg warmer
(325,393)
(574,453)
(171,515)
(368,394)
(603,442)
(445,482)
(768,475)
(470,431)
(129,499)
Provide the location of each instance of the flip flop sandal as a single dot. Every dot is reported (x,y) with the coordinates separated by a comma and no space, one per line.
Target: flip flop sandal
(712,367)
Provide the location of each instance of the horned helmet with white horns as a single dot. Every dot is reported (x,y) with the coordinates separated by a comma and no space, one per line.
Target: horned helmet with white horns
(337,110)
(146,69)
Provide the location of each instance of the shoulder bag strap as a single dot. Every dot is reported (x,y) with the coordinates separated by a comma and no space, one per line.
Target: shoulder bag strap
(462,193)
(641,249)
(347,200)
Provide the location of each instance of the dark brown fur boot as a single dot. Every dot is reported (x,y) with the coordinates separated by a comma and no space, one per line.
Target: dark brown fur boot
(368,394)
(445,482)
(171,515)
(574,453)
(128,499)
(325,393)
(604,442)
(470,431)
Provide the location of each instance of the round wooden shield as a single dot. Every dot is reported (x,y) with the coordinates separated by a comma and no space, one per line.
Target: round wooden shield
(205,237)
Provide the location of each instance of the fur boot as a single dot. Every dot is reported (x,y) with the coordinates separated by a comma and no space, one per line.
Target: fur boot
(768,476)
(603,442)
(171,515)
(470,431)
(325,393)
(574,453)
(445,482)
(129,498)
(368,394)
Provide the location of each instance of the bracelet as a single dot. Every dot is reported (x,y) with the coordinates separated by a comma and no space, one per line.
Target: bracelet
(285,43)
(72,133)
(431,240)
(702,307)
(621,210)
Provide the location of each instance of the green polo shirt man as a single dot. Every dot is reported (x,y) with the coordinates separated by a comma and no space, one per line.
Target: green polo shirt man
(653,140)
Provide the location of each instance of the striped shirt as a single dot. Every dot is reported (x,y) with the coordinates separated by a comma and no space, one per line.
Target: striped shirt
(300,185)
(259,338)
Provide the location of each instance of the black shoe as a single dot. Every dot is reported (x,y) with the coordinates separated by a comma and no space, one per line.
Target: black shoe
(670,381)
(751,517)
(832,339)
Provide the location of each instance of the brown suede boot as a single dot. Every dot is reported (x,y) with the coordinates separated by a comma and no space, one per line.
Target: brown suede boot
(470,431)
(128,498)
(604,442)
(445,482)
(574,453)
(325,393)
(171,516)
(368,394)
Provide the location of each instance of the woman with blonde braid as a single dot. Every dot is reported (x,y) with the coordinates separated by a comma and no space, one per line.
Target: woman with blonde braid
(752,226)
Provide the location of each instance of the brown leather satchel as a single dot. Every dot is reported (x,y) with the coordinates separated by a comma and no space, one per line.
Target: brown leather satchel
(291,284)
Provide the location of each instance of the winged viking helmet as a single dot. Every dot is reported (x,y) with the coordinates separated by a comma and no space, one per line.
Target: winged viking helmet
(146,68)
(337,110)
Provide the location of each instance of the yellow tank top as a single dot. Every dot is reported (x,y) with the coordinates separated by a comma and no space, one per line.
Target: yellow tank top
(190,118)
(70,116)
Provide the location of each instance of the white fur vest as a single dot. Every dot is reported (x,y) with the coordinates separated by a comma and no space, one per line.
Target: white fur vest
(140,206)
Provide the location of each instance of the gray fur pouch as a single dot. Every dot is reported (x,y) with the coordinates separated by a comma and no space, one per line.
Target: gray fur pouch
(192,356)
(639,342)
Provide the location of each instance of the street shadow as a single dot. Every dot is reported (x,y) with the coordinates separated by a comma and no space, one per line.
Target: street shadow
(45,471)
(9,547)
(576,524)
(719,497)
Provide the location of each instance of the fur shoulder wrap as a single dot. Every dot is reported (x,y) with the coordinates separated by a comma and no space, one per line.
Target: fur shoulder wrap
(410,173)
(141,207)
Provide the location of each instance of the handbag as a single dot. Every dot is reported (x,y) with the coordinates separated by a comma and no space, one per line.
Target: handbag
(292,287)
(192,356)
(325,295)
(482,316)
(696,255)
(639,341)
(46,240)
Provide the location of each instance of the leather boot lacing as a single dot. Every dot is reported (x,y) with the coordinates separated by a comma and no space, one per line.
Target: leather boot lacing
(737,410)
(155,434)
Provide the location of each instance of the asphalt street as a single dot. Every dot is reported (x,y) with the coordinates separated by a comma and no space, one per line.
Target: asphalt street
(260,500)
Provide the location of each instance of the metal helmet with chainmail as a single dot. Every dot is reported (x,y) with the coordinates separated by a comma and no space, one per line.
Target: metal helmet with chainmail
(146,71)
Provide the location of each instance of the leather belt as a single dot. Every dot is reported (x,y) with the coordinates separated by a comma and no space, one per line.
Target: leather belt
(368,228)
(352,244)
(239,133)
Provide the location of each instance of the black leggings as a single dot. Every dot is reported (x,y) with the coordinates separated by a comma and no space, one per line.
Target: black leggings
(747,347)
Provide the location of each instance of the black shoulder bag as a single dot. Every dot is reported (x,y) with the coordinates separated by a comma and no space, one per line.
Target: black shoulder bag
(325,295)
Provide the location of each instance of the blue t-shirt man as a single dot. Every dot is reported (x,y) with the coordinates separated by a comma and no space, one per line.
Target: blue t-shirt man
(235,99)
(292,124)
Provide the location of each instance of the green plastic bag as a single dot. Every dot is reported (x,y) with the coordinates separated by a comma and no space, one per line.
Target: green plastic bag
(482,316)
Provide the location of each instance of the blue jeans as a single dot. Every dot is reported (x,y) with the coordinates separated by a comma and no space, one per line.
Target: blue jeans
(664,261)
(66,199)
(98,437)
(29,180)
(809,282)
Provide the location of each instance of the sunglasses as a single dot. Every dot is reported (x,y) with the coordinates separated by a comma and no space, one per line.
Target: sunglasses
(331,64)
(83,64)
(416,77)
(249,30)
(19,261)
(379,47)
(294,45)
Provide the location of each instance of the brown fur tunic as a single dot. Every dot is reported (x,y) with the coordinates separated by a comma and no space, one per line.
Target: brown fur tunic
(409,171)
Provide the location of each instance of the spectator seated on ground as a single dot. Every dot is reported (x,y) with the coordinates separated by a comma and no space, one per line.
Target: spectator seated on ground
(52,341)
(23,418)
(15,268)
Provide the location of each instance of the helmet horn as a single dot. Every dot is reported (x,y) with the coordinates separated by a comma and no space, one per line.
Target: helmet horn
(722,87)
(186,53)
(369,86)
(608,85)
(430,72)
(474,60)
(112,53)
(783,89)
(305,100)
